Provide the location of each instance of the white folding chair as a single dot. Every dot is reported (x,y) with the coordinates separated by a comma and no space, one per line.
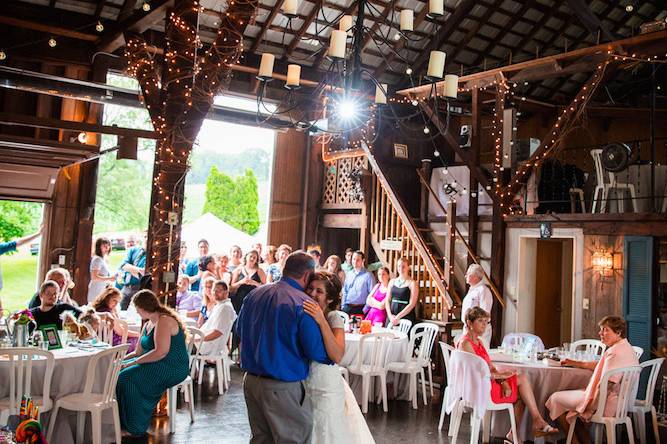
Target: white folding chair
(643,406)
(413,364)
(589,346)
(345,316)
(371,362)
(195,338)
(627,392)
(603,186)
(94,402)
(222,362)
(446,353)
(404,326)
(638,351)
(345,374)
(21,363)
(525,341)
(477,420)
(428,341)
(125,328)
(105,332)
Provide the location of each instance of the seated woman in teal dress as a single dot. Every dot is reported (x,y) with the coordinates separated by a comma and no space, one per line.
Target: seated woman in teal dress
(160,361)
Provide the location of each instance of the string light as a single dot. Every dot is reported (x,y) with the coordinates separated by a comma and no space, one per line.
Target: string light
(3,55)
(146,6)
(52,42)
(99,27)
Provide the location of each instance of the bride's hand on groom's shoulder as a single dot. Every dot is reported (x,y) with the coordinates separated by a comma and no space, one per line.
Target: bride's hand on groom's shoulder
(314,310)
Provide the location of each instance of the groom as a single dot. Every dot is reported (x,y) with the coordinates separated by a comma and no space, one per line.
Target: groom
(278,341)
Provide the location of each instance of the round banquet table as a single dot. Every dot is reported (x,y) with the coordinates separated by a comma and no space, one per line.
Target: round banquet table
(545,380)
(396,353)
(69,376)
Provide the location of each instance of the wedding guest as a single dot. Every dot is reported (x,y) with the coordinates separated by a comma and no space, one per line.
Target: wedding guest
(275,270)
(208,301)
(316,254)
(258,248)
(269,257)
(376,298)
(358,284)
(100,275)
(280,362)
(219,324)
(403,294)
(11,246)
(333,266)
(49,311)
(246,278)
(347,264)
(186,300)
(160,361)
(182,258)
(478,295)
(193,269)
(235,258)
(567,404)
(223,269)
(107,302)
(208,268)
(133,268)
(62,277)
(337,417)
(506,387)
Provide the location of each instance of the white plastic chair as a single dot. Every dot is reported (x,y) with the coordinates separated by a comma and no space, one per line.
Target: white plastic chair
(432,333)
(345,374)
(477,422)
(643,406)
(603,186)
(371,362)
(105,332)
(627,392)
(413,364)
(22,361)
(345,316)
(404,326)
(525,341)
(94,402)
(638,351)
(195,338)
(222,361)
(446,350)
(590,346)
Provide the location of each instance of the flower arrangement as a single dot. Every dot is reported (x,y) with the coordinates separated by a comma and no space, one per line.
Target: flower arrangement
(22,317)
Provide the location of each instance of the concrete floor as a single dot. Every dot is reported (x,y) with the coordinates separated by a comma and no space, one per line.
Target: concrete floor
(223,419)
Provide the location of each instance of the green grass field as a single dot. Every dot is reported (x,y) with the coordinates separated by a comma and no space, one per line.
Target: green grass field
(19,272)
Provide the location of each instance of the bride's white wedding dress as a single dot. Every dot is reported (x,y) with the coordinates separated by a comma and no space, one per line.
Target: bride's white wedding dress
(337,417)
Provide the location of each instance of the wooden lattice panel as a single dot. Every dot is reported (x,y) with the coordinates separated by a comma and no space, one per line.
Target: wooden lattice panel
(329,189)
(345,183)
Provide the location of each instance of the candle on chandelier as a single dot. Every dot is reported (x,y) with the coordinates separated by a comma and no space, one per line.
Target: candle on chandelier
(293,75)
(436,64)
(290,7)
(381,94)
(337,44)
(345,24)
(451,86)
(407,20)
(266,65)
(436,7)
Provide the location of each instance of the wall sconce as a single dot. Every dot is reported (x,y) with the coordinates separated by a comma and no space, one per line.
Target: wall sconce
(605,262)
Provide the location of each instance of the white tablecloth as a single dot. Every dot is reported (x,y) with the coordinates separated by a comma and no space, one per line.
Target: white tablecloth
(69,376)
(545,381)
(396,353)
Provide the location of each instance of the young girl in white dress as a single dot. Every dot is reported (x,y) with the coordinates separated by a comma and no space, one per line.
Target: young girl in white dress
(336,414)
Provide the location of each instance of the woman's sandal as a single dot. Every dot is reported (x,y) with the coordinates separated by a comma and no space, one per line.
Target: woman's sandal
(545,431)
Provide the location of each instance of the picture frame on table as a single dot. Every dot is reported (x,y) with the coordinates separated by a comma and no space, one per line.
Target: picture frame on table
(50,336)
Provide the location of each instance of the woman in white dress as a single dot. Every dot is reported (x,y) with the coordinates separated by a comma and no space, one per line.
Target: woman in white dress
(100,275)
(336,414)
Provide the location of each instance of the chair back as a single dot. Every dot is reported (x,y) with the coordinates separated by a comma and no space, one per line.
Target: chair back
(427,340)
(20,374)
(404,325)
(526,342)
(470,382)
(105,332)
(109,362)
(627,391)
(345,316)
(446,350)
(195,340)
(596,154)
(654,371)
(373,349)
(590,346)
(638,351)
(125,328)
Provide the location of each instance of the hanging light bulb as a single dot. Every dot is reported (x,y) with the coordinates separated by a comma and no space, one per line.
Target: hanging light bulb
(99,27)
(629,7)
(408,71)
(473,194)
(445,171)
(82,137)
(146,6)
(415,103)
(397,36)
(52,42)
(3,55)
(426,130)
(436,153)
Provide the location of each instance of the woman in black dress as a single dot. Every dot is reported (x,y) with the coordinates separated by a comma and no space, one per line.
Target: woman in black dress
(403,295)
(245,278)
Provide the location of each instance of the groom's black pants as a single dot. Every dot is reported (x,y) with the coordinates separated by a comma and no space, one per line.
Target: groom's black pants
(279,412)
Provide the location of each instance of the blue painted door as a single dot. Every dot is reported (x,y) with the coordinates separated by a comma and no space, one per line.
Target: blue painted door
(638,291)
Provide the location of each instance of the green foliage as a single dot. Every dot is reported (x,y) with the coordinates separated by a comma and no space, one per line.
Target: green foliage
(18,219)
(256,159)
(234,200)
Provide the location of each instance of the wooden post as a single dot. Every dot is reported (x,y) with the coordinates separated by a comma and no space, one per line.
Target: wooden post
(450,253)
(473,184)
(423,198)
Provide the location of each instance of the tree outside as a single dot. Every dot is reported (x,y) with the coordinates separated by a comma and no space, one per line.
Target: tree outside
(18,219)
(233,200)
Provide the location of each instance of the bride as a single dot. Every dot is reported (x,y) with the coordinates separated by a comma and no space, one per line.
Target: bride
(336,415)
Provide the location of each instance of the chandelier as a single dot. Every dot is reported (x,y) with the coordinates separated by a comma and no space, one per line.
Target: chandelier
(348,101)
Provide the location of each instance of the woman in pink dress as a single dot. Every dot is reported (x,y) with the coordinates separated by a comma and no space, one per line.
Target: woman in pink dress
(506,386)
(376,299)
(566,405)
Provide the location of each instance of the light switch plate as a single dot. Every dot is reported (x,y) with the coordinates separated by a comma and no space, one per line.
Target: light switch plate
(586,303)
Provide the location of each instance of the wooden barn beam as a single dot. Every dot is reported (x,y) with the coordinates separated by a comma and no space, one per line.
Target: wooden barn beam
(269,20)
(588,18)
(312,15)
(138,22)
(47,29)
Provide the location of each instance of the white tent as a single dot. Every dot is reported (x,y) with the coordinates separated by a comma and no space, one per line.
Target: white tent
(220,235)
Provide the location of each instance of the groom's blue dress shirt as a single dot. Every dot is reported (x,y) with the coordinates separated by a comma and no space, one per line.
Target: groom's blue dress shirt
(279,339)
